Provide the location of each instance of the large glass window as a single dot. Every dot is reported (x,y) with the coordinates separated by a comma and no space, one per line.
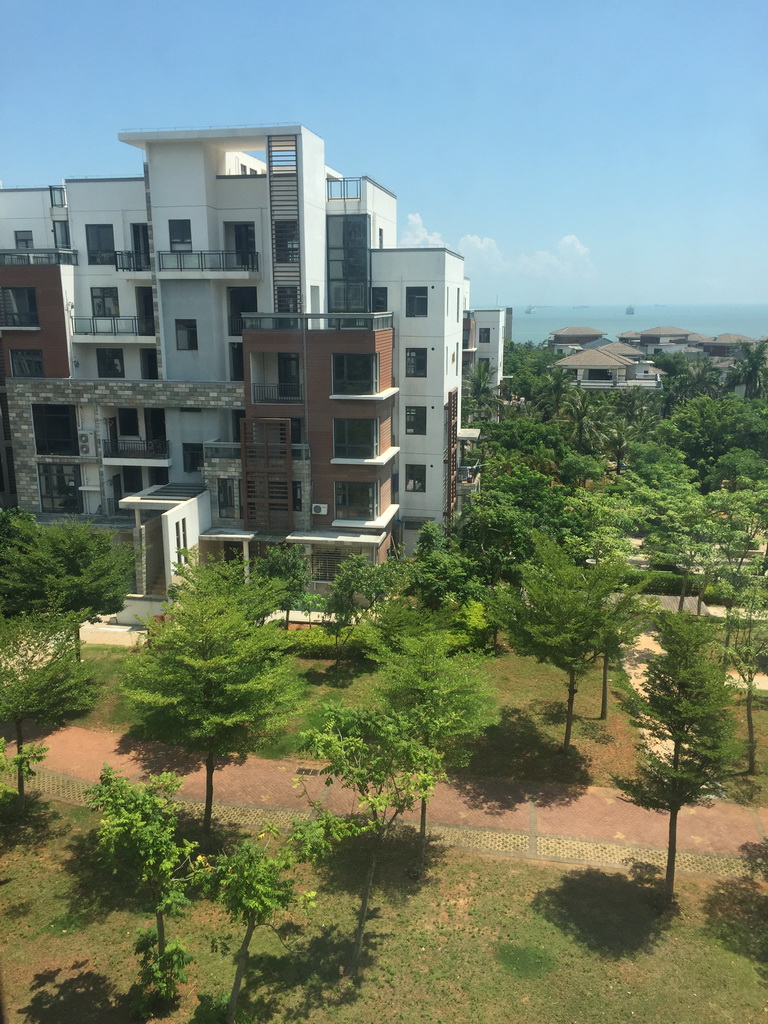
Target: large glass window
(415,362)
(180,235)
(354,374)
(59,488)
(355,439)
(109,362)
(356,500)
(229,499)
(26,362)
(378,300)
(236,365)
(415,419)
(55,429)
(100,242)
(61,234)
(193,457)
(416,301)
(128,422)
(18,307)
(148,358)
(485,335)
(186,335)
(104,302)
(348,262)
(23,239)
(415,478)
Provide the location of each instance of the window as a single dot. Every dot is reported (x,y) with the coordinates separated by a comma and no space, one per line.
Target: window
(415,478)
(485,335)
(229,499)
(238,415)
(356,501)
(128,422)
(415,419)
(286,241)
(415,362)
(158,475)
(27,362)
(100,242)
(186,335)
(381,238)
(55,429)
(354,374)
(61,234)
(58,195)
(109,362)
(18,307)
(193,458)
(378,300)
(148,358)
(104,302)
(296,495)
(355,439)
(416,301)
(59,488)
(132,479)
(287,299)
(180,235)
(288,368)
(23,239)
(236,366)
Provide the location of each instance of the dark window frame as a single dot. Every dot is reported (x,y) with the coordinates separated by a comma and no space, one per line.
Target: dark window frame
(346,380)
(18,305)
(96,238)
(355,438)
(186,334)
(416,362)
(484,335)
(417,301)
(26,242)
(32,357)
(179,235)
(347,495)
(101,300)
(192,456)
(415,418)
(54,476)
(126,419)
(110,362)
(416,477)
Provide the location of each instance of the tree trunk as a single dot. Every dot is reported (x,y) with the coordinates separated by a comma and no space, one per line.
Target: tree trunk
(569,711)
(20,780)
(160,919)
(209,765)
(423,837)
(671,853)
(683,591)
(287,617)
(700,600)
(751,743)
(363,913)
(242,960)
(604,704)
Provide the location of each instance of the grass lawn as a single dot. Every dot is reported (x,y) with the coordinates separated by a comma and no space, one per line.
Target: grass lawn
(524,745)
(482,940)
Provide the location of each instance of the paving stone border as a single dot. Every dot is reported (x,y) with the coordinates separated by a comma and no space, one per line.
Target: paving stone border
(526,845)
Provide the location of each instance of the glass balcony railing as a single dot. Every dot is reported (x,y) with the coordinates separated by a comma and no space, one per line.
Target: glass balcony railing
(208,260)
(112,325)
(134,260)
(317,321)
(38,257)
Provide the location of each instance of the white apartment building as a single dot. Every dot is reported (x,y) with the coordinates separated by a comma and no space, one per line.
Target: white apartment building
(227,351)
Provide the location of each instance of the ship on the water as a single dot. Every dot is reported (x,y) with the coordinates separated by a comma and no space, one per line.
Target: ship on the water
(530,309)
(630,310)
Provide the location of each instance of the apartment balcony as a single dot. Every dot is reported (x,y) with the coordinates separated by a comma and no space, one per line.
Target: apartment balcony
(38,257)
(344,188)
(110,326)
(266,394)
(317,321)
(133,261)
(207,261)
(468,480)
(142,453)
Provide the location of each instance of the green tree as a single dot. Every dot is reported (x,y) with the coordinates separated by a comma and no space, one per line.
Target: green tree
(288,564)
(685,710)
(137,836)
(207,678)
(41,678)
(747,628)
(446,700)
(681,532)
(585,411)
(65,567)
(255,888)
(378,758)
(480,395)
(559,616)
(750,370)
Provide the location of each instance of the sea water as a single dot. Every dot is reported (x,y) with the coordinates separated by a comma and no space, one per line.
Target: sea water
(537,326)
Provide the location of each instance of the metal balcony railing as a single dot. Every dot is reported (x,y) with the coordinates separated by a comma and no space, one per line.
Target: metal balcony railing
(132,260)
(136,325)
(346,188)
(235,326)
(300,452)
(277,393)
(208,260)
(221,450)
(38,257)
(157,449)
(317,321)
(9,319)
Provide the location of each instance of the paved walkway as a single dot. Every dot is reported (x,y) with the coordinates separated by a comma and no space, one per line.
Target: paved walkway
(592,825)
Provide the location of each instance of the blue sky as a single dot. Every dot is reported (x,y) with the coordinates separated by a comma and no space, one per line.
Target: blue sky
(575,151)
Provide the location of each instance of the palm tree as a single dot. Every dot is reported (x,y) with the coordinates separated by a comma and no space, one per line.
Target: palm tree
(585,411)
(616,436)
(750,369)
(704,378)
(481,395)
(555,385)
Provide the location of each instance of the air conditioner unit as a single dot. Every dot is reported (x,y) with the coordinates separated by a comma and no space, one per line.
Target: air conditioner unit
(319,510)
(87,442)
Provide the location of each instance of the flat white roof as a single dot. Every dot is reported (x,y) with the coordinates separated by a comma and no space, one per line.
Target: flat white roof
(246,137)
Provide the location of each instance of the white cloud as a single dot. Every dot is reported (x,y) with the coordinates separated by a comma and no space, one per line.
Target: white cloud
(570,261)
(416,235)
(483,254)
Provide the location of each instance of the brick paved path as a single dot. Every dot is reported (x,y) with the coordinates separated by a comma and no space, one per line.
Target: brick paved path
(592,826)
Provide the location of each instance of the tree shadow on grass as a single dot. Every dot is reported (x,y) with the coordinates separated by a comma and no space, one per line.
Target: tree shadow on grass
(86,997)
(614,915)
(515,760)
(737,916)
(33,827)
(337,677)
(156,757)
(95,890)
